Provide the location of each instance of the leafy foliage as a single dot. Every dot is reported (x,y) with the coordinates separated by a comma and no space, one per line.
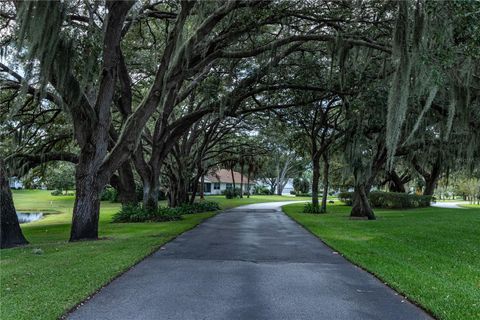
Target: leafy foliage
(390,200)
(136,213)
(311,208)
(301,185)
(231,193)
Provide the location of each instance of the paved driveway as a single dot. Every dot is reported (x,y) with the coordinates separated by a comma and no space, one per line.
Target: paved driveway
(251,262)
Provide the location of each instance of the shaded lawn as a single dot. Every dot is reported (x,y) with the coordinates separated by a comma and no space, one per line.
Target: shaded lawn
(44,285)
(432,255)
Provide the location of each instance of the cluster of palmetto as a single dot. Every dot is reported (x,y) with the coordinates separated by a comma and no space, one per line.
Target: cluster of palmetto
(160,90)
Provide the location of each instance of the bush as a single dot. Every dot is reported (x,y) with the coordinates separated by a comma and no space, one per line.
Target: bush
(261,190)
(390,200)
(310,208)
(231,193)
(293,192)
(56,193)
(301,185)
(346,197)
(197,207)
(136,213)
(109,194)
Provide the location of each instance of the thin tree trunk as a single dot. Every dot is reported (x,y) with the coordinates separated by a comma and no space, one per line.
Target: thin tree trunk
(315,180)
(361,206)
(10,232)
(326,166)
(241,180)
(248,183)
(233,179)
(202,187)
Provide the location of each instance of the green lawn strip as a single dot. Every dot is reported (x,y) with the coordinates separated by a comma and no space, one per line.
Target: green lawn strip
(431,255)
(46,285)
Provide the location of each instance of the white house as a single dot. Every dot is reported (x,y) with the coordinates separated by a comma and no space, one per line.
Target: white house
(15,183)
(221,180)
(287,189)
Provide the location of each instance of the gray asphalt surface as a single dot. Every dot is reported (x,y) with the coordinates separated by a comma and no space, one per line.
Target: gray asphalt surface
(252,262)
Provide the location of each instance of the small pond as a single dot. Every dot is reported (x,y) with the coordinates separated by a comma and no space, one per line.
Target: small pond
(24,217)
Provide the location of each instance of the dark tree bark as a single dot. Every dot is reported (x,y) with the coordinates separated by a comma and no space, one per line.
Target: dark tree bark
(151,191)
(248,181)
(11,233)
(242,164)
(430,178)
(315,180)
(233,178)
(86,210)
(202,187)
(125,185)
(396,183)
(326,167)
(361,206)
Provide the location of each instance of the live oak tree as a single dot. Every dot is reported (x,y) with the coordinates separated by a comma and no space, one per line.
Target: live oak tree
(10,233)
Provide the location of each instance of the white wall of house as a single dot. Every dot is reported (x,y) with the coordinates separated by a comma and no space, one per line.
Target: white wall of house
(219,187)
(15,183)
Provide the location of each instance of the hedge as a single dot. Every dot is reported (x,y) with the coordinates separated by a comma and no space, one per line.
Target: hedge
(136,213)
(390,200)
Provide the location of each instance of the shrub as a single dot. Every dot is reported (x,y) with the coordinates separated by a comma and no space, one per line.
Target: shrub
(56,193)
(301,185)
(232,193)
(109,194)
(346,197)
(293,192)
(262,190)
(390,200)
(197,207)
(310,208)
(136,213)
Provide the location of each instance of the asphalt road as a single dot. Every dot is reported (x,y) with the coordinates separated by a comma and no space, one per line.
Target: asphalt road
(252,262)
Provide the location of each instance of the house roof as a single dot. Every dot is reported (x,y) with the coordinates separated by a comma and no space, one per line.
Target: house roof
(225,176)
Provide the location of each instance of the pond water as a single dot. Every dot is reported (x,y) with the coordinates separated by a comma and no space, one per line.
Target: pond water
(24,217)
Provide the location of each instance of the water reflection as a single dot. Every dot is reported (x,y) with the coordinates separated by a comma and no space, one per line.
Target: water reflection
(24,217)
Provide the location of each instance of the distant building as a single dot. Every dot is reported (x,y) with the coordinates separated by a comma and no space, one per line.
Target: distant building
(15,183)
(287,189)
(221,180)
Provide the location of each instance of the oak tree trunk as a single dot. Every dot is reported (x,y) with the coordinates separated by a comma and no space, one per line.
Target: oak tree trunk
(241,180)
(202,187)
(10,232)
(361,206)
(151,191)
(125,185)
(248,183)
(89,186)
(315,181)
(326,166)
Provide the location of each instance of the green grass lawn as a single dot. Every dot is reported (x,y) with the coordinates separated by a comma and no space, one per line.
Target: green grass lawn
(432,255)
(46,284)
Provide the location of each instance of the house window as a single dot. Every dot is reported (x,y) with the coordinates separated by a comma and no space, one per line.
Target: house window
(216,186)
(207,187)
(228,186)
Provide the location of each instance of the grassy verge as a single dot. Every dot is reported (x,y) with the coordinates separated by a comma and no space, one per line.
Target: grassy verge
(432,255)
(50,276)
